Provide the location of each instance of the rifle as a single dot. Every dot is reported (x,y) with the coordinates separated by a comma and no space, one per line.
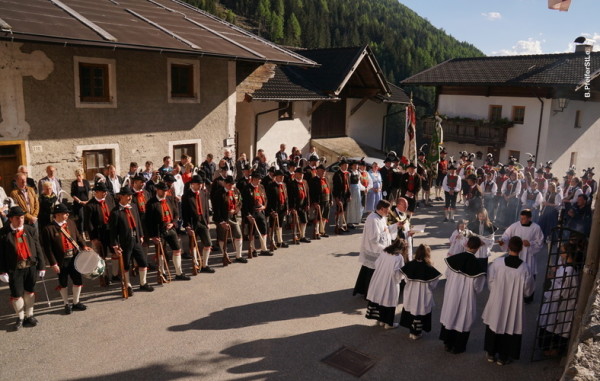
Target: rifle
(341,216)
(320,218)
(295,226)
(274,229)
(226,260)
(161,259)
(250,240)
(260,238)
(124,291)
(196,254)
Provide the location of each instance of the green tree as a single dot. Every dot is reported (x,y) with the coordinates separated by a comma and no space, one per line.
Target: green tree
(276,28)
(293,31)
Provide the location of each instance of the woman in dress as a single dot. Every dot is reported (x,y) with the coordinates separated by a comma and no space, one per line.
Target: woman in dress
(80,191)
(47,200)
(354,205)
(384,288)
(374,194)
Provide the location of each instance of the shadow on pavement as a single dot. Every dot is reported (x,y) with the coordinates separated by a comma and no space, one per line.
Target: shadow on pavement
(304,306)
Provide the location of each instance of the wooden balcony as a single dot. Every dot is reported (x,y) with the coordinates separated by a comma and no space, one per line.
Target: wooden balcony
(468,131)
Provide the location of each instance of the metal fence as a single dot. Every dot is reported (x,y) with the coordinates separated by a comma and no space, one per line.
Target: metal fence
(566,256)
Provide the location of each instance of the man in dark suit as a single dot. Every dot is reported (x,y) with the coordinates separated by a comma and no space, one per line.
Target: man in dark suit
(254,204)
(320,197)
(410,184)
(161,219)
(97,213)
(299,202)
(113,181)
(226,204)
(21,262)
(126,237)
(341,194)
(194,208)
(277,207)
(62,244)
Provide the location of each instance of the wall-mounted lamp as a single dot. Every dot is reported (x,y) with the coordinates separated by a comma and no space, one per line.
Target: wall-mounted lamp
(562,104)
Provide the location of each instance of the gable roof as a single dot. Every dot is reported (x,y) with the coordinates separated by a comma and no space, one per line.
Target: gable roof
(565,69)
(340,68)
(159,25)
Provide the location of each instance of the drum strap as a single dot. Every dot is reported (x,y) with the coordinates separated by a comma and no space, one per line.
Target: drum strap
(69,238)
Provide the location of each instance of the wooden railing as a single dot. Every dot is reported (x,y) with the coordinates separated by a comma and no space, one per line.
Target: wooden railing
(469,132)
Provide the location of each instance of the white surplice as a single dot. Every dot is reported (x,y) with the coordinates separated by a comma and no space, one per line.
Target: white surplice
(377,235)
(460,300)
(508,286)
(418,296)
(458,240)
(384,288)
(532,233)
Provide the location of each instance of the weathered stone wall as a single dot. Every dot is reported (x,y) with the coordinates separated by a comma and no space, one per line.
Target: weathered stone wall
(142,124)
(585,364)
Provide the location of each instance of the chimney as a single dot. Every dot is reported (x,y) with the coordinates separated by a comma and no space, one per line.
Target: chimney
(582,44)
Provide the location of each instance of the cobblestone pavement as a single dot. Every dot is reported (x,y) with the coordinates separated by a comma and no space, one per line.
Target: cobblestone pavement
(273,318)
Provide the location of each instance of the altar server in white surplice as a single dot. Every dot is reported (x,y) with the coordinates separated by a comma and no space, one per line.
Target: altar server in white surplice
(384,289)
(509,281)
(377,235)
(533,241)
(464,280)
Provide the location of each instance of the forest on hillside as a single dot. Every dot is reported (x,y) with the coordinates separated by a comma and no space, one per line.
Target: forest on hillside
(403,42)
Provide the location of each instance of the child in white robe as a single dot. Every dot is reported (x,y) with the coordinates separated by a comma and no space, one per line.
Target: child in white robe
(458,239)
(464,280)
(384,288)
(421,279)
(509,281)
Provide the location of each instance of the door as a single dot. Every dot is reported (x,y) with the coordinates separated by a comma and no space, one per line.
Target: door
(11,156)
(329,120)
(95,161)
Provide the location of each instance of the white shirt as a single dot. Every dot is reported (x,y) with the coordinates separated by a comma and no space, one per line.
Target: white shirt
(115,183)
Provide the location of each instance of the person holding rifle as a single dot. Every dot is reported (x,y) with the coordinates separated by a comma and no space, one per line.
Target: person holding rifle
(21,263)
(320,196)
(277,207)
(161,217)
(195,217)
(254,204)
(62,243)
(126,238)
(226,203)
(341,194)
(299,201)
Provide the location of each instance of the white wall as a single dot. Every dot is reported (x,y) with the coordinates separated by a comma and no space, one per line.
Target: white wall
(564,138)
(366,125)
(520,137)
(272,132)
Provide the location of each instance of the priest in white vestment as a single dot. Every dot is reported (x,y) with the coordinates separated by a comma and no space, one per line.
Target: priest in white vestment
(377,235)
(533,241)
(509,281)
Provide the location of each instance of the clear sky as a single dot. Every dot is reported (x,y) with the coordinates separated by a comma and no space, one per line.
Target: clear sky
(507,27)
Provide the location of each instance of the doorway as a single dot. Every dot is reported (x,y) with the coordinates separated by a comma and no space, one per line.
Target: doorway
(12,155)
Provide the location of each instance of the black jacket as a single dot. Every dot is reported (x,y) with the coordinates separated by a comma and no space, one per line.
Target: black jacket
(294,195)
(94,220)
(154,225)
(8,248)
(189,210)
(273,200)
(53,241)
(120,232)
(340,184)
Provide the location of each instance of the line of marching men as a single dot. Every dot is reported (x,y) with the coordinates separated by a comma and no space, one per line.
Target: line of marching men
(121,227)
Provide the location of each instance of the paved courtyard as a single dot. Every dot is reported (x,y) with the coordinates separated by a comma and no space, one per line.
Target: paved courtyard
(274,318)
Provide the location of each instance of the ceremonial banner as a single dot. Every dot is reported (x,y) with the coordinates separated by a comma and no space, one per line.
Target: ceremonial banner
(410,138)
(560,5)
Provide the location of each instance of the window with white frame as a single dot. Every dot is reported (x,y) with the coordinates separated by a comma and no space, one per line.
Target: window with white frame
(183,80)
(95,82)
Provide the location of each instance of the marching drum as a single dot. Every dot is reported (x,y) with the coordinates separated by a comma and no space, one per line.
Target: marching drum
(89,264)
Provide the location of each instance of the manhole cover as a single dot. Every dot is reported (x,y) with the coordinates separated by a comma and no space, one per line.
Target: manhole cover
(350,361)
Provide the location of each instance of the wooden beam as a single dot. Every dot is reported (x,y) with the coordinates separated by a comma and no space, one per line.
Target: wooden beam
(358,106)
(314,107)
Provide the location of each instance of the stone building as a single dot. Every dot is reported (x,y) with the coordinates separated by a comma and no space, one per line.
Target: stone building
(89,83)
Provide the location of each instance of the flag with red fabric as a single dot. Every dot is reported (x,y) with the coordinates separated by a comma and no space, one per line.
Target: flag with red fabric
(560,5)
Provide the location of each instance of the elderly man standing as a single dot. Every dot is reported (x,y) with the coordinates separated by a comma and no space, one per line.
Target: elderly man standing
(26,198)
(51,177)
(30,181)
(376,237)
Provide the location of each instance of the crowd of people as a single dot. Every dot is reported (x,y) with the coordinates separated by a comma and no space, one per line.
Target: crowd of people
(526,202)
(222,203)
